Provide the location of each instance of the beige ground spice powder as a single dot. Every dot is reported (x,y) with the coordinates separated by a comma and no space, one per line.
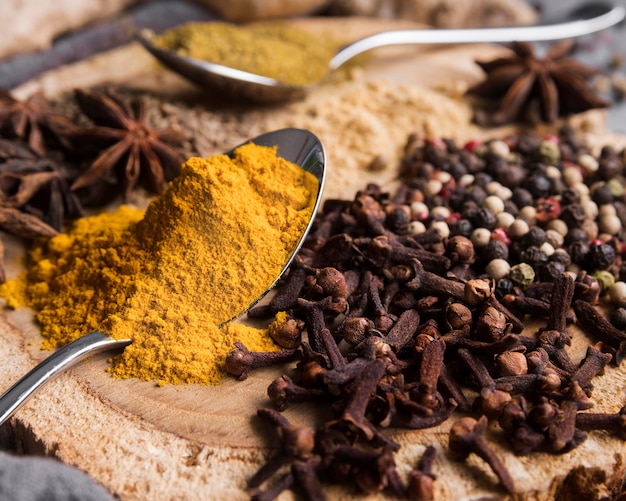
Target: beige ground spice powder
(355,120)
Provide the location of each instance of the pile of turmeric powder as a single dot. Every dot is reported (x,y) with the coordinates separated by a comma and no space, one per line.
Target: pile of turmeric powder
(168,278)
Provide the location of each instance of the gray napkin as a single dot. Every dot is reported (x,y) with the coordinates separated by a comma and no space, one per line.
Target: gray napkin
(41,479)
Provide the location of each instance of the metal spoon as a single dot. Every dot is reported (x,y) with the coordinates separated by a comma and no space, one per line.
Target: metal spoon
(296,145)
(263,89)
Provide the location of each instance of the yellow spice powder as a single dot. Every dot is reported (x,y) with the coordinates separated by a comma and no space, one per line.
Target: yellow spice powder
(275,50)
(167,279)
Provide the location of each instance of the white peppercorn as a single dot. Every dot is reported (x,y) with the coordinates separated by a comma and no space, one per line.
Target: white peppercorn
(617,292)
(609,224)
(416,227)
(588,162)
(554,238)
(440,212)
(493,204)
(480,237)
(504,220)
(498,268)
(518,228)
(547,248)
(419,210)
(528,214)
(442,227)
(559,226)
(572,176)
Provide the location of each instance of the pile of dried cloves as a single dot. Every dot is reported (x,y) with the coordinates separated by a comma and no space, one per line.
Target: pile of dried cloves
(403,311)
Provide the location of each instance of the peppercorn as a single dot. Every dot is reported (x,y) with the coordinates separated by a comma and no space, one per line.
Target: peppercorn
(578,251)
(495,249)
(570,196)
(535,236)
(549,271)
(538,185)
(605,279)
(484,218)
(573,215)
(522,197)
(561,256)
(463,227)
(575,235)
(602,195)
(600,257)
(534,256)
(398,220)
(618,318)
(522,274)
(504,286)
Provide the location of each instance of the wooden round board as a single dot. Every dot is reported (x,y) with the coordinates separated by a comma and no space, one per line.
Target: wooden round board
(142,441)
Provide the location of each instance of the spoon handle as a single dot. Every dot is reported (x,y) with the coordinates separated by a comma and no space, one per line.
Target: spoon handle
(65,357)
(534,33)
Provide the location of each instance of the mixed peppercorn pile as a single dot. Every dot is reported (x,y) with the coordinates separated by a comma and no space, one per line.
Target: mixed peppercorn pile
(405,310)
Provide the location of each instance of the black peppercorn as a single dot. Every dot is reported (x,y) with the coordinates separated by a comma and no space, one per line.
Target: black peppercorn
(495,249)
(475,194)
(551,270)
(600,257)
(511,207)
(462,227)
(602,195)
(482,179)
(538,185)
(522,197)
(578,251)
(618,318)
(573,215)
(570,196)
(609,167)
(534,256)
(528,143)
(398,220)
(535,237)
(457,169)
(575,235)
(484,218)
(504,286)
(561,256)
(512,176)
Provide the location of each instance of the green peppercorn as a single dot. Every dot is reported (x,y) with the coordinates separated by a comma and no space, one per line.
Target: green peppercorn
(604,278)
(549,152)
(522,274)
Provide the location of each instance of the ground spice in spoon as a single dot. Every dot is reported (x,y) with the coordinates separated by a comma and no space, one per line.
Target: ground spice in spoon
(201,253)
(274,50)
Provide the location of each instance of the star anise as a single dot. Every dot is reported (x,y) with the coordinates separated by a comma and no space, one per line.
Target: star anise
(134,153)
(33,121)
(35,198)
(556,84)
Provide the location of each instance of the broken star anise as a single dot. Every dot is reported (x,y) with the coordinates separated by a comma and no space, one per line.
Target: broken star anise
(556,84)
(133,152)
(33,121)
(35,198)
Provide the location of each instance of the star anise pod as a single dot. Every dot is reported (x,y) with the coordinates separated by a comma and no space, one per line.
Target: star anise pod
(133,151)
(558,85)
(33,121)
(35,198)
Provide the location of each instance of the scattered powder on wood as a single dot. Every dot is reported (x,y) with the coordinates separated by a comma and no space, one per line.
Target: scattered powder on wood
(356,121)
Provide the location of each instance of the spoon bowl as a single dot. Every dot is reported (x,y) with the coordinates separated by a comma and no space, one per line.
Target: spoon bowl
(299,146)
(258,88)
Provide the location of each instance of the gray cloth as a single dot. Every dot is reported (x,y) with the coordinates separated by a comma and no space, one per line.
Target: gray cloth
(41,479)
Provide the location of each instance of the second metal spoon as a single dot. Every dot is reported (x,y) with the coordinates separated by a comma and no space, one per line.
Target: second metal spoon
(263,89)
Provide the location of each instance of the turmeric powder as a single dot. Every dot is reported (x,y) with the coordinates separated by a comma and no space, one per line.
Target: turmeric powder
(170,277)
